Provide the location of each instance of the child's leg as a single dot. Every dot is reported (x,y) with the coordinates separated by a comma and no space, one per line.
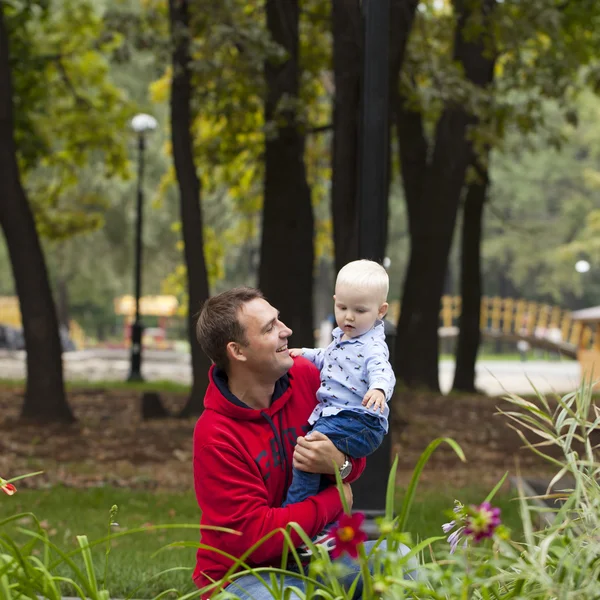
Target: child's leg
(303,486)
(353,433)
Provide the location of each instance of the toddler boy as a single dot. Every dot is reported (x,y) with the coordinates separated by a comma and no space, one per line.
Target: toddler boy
(357,379)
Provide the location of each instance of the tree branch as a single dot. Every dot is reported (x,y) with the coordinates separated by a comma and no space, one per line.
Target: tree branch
(319,129)
(67,81)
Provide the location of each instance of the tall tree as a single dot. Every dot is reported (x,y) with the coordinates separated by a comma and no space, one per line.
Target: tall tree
(433,213)
(348,59)
(70,135)
(287,250)
(471,285)
(45,394)
(189,193)
(570,26)
(347,30)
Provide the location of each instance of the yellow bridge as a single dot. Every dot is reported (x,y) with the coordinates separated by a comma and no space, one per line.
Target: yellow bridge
(540,325)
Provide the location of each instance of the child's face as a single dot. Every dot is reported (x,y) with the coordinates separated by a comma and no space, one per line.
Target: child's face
(356,310)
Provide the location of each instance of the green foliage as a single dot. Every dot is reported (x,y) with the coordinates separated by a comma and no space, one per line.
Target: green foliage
(68,112)
(541,215)
(558,558)
(544,51)
(81,69)
(134,559)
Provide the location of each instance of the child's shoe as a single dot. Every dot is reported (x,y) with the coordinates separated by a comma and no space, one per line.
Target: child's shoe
(325,539)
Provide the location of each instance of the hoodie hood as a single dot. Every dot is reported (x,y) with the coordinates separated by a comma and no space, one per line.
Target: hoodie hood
(220,399)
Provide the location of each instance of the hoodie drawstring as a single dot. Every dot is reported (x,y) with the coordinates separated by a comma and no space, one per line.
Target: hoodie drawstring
(280,445)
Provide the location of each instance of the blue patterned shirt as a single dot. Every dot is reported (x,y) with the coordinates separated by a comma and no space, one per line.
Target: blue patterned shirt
(348,369)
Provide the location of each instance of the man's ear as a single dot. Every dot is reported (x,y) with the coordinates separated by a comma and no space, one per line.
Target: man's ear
(383,310)
(235,351)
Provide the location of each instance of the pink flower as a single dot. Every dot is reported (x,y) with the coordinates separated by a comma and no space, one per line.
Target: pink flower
(481,521)
(7,488)
(348,535)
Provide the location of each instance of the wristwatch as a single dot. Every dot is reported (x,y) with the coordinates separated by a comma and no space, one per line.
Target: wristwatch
(346,468)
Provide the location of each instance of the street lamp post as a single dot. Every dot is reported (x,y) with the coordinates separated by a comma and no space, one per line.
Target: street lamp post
(141,124)
(370,489)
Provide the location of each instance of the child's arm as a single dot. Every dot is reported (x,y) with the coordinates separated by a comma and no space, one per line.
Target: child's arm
(315,355)
(380,376)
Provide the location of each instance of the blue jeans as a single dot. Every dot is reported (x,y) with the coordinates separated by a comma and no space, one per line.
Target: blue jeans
(356,434)
(248,587)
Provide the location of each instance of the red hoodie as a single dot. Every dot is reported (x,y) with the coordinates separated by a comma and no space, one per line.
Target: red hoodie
(243,467)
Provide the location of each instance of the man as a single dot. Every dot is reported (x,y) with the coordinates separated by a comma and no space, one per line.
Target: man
(251,433)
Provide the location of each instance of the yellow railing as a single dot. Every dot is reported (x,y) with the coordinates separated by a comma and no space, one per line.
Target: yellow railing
(540,324)
(509,318)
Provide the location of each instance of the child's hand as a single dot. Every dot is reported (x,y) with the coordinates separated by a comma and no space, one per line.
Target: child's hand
(375,399)
(295,352)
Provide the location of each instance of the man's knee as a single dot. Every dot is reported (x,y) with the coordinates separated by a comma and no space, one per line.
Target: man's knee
(412,563)
(249,587)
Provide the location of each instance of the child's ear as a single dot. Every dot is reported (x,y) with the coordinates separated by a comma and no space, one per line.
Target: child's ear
(383,310)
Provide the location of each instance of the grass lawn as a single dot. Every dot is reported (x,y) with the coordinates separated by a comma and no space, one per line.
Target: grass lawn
(66,513)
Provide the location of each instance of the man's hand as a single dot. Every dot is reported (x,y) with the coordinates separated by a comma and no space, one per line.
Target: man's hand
(375,399)
(295,352)
(316,453)
(348,494)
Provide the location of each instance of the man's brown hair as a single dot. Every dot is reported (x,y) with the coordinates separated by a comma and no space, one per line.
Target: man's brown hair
(218,323)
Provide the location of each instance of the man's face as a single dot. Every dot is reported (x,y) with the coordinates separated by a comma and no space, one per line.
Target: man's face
(267,350)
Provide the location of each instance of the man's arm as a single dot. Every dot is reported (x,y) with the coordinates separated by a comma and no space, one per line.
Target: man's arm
(317,454)
(231,493)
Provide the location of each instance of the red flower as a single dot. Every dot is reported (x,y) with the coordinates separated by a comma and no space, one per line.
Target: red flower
(7,488)
(348,535)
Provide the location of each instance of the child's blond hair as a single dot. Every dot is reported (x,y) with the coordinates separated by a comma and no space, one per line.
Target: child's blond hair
(365,274)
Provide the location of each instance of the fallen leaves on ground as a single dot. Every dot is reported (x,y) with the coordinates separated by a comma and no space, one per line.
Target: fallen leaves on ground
(110,444)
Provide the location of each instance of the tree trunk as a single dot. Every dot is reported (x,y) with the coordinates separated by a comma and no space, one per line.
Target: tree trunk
(416,357)
(401,22)
(45,399)
(189,195)
(469,335)
(347,62)
(413,149)
(348,56)
(287,252)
